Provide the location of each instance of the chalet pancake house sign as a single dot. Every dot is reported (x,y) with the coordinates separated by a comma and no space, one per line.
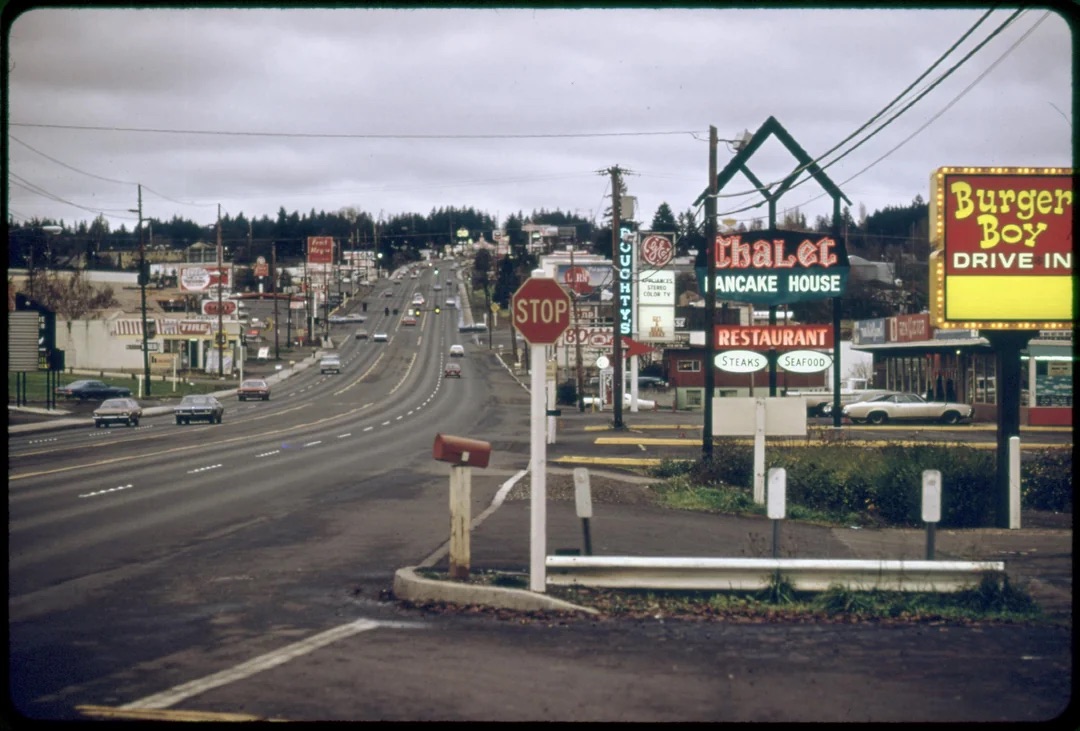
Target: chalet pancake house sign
(775,267)
(1003,248)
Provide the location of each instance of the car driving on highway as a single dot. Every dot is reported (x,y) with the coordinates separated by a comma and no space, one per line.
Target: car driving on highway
(199,407)
(330,364)
(453,370)
(253,388)
(117,411)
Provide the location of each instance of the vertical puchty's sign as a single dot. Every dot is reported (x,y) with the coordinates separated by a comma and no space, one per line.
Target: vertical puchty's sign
(624,295)
(1003,241)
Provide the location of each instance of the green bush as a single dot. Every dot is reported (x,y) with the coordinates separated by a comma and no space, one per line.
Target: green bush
(1046,480)
(881,485)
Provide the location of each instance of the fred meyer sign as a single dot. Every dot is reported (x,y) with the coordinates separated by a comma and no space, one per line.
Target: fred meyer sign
(778,267)
(1003,241)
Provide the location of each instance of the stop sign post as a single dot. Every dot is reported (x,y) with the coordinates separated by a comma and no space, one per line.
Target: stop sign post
(540,309)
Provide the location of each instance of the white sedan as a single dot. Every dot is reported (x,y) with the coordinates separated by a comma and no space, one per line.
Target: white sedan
(906,407)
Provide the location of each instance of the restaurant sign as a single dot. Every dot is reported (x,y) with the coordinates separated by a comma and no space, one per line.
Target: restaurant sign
(774,267)
(1003,248)
(773,337)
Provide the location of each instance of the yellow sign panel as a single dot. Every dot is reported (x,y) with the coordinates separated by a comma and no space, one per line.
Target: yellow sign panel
(1002,240)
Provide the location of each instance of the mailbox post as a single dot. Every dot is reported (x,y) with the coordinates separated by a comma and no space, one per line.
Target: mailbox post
(463,454)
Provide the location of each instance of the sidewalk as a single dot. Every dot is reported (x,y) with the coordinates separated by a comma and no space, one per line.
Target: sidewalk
(627,523)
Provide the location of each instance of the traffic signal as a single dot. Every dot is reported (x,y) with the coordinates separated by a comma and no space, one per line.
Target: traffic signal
(436,271)
(436,309)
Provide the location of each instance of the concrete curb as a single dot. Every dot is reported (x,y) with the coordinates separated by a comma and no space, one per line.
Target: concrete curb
(411,587)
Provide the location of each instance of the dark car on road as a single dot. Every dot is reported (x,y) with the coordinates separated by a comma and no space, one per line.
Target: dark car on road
(117,411)
(87,389)
(199,407)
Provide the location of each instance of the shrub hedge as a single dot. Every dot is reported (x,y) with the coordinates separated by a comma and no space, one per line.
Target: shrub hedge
(885,483)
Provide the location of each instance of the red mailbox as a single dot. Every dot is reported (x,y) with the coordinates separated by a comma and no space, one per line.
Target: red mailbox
(461,451)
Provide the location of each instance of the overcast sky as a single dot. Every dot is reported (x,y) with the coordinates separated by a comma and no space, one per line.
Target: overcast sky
(504,110)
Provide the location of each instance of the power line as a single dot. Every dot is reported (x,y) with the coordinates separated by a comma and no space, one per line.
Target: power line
(315,135)
(1008,21)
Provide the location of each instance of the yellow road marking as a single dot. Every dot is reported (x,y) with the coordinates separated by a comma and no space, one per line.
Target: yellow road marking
(155,714)
(619,461)
(650,441)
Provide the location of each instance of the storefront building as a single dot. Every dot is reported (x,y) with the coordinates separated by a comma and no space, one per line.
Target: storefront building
(959,365)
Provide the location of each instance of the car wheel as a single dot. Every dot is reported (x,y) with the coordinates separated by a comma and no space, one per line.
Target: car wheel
(133,422)
(266,397)
(877,417)
(179,421)
(950,417)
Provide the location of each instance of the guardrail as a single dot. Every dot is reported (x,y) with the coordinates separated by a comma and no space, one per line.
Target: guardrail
(739,574)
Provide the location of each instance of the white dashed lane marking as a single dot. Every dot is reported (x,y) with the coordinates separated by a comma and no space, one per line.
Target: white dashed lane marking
(204,469)
(106,492)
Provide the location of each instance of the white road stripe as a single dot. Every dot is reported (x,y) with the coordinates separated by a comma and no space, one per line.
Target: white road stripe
(342,436)
(251,667)
(368,428)
(312,444)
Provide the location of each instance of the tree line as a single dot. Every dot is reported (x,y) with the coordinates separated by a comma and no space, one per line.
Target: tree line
(897,234)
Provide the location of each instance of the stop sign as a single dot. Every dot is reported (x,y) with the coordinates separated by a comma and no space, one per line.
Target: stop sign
(541,310)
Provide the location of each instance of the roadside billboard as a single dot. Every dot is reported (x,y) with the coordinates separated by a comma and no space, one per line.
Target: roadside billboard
(204,277)
(320,249)
(1002,248)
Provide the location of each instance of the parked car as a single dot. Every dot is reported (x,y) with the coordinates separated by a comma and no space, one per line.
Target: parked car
(88,389)
(906,407)
(199,407)
(253,388)
(380,337)
(408,320)
(330,364)
(453,370)
(117,411)
(651,382)
(361,334)
(826,408)
(457,351)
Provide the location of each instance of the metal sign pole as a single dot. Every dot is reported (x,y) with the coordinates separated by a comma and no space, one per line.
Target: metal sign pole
(538,464)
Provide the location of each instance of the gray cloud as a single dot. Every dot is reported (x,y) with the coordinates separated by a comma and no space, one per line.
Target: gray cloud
(505,71)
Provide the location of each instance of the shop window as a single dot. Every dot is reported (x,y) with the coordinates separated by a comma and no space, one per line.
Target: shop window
(688,366)
(694,398)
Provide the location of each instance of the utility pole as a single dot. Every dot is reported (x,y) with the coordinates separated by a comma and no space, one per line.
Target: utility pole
(616,239)
(220,336)
(143,275)
(273,288)
(710,299)
(577,342)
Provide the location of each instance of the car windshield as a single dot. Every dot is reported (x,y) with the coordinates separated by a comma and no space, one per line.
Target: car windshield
(252,384)
(114,403)
(195,400)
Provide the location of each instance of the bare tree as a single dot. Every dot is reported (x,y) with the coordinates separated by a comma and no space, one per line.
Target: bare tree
(72,297)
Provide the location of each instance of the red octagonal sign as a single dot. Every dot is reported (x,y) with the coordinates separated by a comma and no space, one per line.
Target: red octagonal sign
(541,310)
